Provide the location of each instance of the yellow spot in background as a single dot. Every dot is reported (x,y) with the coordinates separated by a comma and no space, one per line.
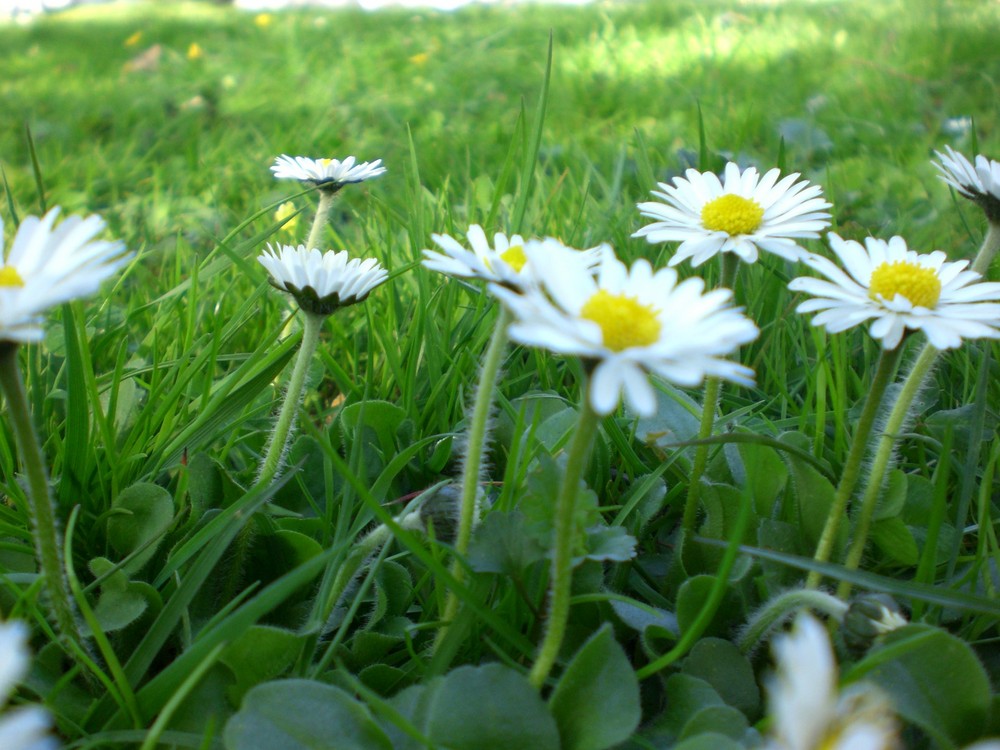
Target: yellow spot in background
(195,51)
(732,214)
(9,277)
(420,58)
(134,39)
(263,20)
(285,210)
(625,321)
(920,285)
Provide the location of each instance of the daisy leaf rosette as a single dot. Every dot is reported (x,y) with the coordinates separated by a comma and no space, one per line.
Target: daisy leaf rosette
(809,710)
(628,323)
(979,183)
(742,214)
(504,262)
(25,727)
(327,174)
(901,290)
(321,282)
(49,264)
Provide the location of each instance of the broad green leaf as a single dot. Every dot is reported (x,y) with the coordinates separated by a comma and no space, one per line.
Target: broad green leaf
(894,539)
(709,741)
(142,514)
(612,543)
(719,719)
(261,653)
(722,665)
(302,715)
(120,603)
(813,498)
(596,701)
(501,545)
(693,595)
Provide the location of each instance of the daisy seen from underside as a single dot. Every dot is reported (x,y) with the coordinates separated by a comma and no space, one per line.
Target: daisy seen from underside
(627,323)
(742,214)
(900,290)
(48,264)
(504,262)
(328,175)
(321,282)
(980,183)
(809,710)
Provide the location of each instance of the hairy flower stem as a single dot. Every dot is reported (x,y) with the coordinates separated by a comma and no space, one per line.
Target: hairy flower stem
(988,250)
(322,212)
(851,471)
(778,609)
(561,576)
(476,439)
(713,389)
(40,506)
(277,443)
(883,455)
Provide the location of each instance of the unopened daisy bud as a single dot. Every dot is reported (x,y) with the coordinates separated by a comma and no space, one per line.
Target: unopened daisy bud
(321,282)
(870,617)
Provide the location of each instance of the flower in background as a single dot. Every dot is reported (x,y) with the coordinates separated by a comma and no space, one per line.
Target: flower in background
(979,183)
(195,52)
(809,711)
(321,282)
(48,265)
(505,262)
(25,727)
(288,214)
(627,323)
(263,20)
(133,39)
(327,174)
(902,290)
(741,215)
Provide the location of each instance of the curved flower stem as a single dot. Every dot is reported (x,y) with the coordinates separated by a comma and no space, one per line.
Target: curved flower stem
(883,455)
(888,360)
(40,507)
(562,552)
(775,611)
(713,389)
(322,212)
(277,443)
(476,439)
(988,250)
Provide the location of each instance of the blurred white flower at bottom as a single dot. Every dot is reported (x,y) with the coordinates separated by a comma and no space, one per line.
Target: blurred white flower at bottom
(24,727)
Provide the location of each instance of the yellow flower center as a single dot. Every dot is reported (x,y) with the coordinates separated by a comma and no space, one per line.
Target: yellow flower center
(920,285)
(732,214)
(326,162)
(10,277)
(625,321)
(514,257)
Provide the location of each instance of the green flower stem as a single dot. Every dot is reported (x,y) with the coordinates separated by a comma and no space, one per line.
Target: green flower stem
(883,455)
(713,389)
(884,373)
(293,397)
(322,212)
(363,550)
(475,448)
(988,250)
(40,506)
(775,611)
(562,553)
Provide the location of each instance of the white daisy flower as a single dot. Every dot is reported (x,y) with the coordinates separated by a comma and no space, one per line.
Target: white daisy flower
(321,282)
(505,262)
(741,215)
(327,174)
(627,323)
(810,712)
(48,265)
(25,727)
(979,183)
(902,290)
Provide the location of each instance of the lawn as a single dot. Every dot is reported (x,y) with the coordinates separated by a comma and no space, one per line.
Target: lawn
(229,590)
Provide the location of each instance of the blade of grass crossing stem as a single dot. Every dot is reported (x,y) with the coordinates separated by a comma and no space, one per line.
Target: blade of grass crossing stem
(533,146)
(36,169)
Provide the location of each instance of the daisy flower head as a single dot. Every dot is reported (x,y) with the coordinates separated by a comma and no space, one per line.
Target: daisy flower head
(321,282)
(809,710)
(47,265)
(979,183)
(26,727)
(627,323)
(740,214)
(901,290)
(504,262)
(329,175)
